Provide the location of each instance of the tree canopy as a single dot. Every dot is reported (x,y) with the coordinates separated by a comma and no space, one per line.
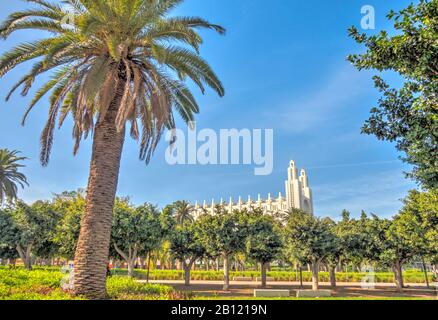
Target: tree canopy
(408,115)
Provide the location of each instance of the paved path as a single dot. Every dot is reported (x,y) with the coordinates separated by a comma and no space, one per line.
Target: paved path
(246,288)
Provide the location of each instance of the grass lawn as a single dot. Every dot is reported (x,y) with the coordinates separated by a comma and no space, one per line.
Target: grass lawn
(45,284)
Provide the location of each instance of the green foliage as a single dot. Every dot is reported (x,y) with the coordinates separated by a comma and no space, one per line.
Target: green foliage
(44,284)
(123,288)
(308,238)
(19,284)
(263,242)
(380,277)
(223,233)
(30,229)
(418,223)
(409,115)
(10,176)
(182,212)
(72,206)
(186,243)
(135,230)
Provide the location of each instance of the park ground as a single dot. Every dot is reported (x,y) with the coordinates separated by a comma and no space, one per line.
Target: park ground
(245,290)
(53,284)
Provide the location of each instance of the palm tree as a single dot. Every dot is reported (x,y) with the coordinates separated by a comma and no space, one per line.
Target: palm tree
(10,177)
(182,210)
(114,63)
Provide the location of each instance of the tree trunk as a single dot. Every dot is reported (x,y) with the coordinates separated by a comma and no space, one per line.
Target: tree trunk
(263,267)
(398,273)
(333,276)
(226,273)
(301,277)
(435,272)
(130,268)
(92,250)
(149,267)
(217,264)
(25,256)
(315,282)
(187,269)
(426,276)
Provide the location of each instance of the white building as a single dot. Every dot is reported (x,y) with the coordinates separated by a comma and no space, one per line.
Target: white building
(297,190)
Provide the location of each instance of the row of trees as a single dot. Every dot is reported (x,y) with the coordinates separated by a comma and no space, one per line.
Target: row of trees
(48,230)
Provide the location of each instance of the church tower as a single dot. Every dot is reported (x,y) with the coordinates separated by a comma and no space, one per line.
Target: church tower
(298,192)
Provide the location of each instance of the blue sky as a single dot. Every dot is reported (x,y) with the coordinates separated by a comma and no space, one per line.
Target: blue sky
(283,66)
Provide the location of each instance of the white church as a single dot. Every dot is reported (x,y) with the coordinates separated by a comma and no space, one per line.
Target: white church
(297,190)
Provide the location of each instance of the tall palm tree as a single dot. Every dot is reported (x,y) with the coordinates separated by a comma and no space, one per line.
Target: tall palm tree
(114,63)
(182,210)
(10,177)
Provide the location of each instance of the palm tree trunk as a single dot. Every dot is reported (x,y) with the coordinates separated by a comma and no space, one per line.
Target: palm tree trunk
(92,251)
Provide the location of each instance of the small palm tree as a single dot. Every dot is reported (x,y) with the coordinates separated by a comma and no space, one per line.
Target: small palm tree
(114,63)
(10,177)
(182,210)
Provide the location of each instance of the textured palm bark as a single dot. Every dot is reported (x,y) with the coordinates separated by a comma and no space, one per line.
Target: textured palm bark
(91,258)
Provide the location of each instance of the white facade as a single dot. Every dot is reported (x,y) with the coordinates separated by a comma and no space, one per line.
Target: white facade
(297,190)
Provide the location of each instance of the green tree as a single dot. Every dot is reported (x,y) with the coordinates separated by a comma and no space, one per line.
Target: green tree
(115,64)
(8,231)
(263,243)
(389,245)
(419,224)
(187,247)
(223,234)
(29,229)
(311,239)
(334,256)
(10,176)
(135,231)
(72,206)
(182,210)
(409,115)
(8,255)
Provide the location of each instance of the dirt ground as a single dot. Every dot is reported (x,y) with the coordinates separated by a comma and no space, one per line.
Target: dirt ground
(347,290)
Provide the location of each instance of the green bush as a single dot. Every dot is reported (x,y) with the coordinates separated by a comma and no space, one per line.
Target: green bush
(44,284)
(124,288)
(20,284)
(410,276)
